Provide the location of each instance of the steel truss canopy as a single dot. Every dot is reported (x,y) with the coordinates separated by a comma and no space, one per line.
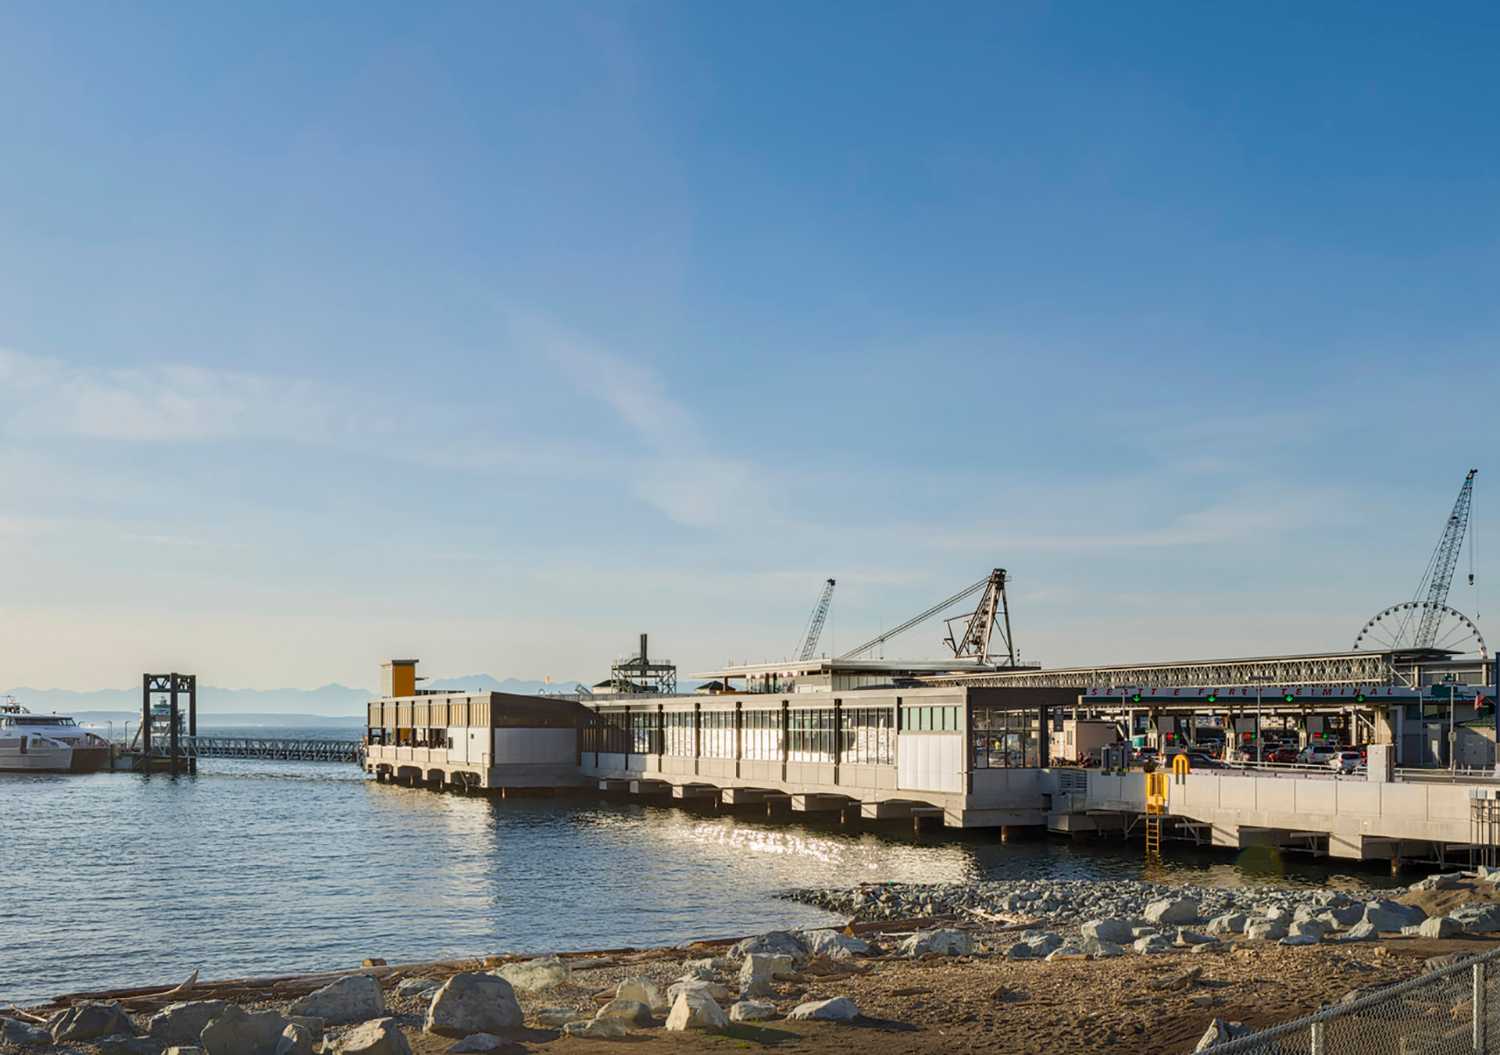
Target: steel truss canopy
(1351,668)
(1250,694)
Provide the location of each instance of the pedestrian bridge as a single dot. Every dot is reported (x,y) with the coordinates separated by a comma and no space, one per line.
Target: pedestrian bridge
(278,749)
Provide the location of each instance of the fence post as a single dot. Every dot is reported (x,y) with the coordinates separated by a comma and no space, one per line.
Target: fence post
(1316,1039)
(1478,1001)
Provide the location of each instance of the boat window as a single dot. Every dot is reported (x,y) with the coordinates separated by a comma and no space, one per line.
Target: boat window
(40,719)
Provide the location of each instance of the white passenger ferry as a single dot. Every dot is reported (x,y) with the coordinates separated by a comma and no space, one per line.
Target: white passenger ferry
(47,743)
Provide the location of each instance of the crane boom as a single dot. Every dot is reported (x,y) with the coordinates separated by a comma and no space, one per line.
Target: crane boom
(809,645)
(934,610)
(1440,569)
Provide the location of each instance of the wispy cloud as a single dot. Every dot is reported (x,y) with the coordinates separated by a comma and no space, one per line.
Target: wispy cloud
(678,473)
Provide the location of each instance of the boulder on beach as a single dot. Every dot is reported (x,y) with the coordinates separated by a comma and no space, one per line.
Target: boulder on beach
(839,1009)
(379,1036)
(473,1003)
(1172,911)
(760,971)
(533,976)
(715,991)
(1441,881)
(1152,945)
(835,944)
(296,1039)
(417,986)
(1477,918)
(695,1009)
(776,943)
(947,941)
(478,1043)
(23,1034)
(1359,932)
(1111,929)
(642,989)
(597,1029)
(1100,949)
(1390,916)
(88,1021)
(127,1044)
(183,1023)
(353,998)
(235,1031)
(752,1011)
(1439,927)
(626,1011)
(1267,929)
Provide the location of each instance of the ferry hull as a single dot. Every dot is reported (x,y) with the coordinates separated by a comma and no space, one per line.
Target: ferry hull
(37,760)
(89,760)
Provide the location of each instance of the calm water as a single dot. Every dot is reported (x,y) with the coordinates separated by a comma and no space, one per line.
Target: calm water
(263,867)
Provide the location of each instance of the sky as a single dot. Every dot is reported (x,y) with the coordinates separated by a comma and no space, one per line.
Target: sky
(495,335)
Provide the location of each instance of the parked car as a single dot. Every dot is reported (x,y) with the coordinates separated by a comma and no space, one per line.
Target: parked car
(1285,755)
(1196,759)
(1317,754)
(1347,761)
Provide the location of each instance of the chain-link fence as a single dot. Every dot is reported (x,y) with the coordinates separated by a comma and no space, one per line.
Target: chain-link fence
(1454,1010)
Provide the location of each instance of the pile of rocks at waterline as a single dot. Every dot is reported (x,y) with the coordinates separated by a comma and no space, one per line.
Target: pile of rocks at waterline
(1081,918)
(758,980)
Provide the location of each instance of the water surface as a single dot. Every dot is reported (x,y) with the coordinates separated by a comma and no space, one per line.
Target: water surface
(267,867)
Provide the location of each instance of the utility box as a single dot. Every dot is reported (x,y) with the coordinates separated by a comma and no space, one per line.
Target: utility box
(1378,763)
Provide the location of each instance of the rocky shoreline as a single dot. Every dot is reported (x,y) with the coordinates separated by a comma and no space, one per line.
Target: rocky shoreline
(1008,965)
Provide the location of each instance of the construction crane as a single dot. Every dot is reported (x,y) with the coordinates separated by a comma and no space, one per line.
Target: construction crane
(979,625)
(809,646)
(1439,575)
(1426,622)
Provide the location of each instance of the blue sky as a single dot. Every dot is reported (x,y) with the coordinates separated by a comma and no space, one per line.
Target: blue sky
(496,334)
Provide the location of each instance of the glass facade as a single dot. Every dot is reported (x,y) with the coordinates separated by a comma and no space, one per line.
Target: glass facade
(761,734)
(869,736)
(718,734)
(810,736)
(1005,739)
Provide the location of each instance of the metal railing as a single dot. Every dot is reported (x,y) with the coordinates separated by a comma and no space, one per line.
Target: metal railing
(1454,1010)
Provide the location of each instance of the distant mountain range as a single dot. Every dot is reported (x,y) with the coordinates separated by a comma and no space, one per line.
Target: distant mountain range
(254,706)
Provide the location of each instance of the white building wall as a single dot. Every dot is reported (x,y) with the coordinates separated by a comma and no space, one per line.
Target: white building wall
(931,762)
(534,746)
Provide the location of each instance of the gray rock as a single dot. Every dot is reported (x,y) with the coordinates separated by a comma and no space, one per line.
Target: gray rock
(642,989)
(296,1039)
(353,998)
(1191,937)
(379,1036)
(1439,927)
(1305,928)
(1207,947)
(752,1011)
(1229,923)
(839,1009)
(626,1011)
(1359,932)
(1477,918)
(1172,911)
(760,970)
(560,1016)
(87,1021)
(713,990)
(235,1031)
(597,1029)
(1111,929)
(1267,929)
(1301,939)
(23,1034)
(1441,881)
(1100,950)
(1343,915)
(944,942)
(835,945)
(694,1009)
(1153,945)
(776,942)
(1067,952)
(1021,951)
(473,1003)
(1043,944)
(1390,916)
(533,976)
(417,986)
(183,1023)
